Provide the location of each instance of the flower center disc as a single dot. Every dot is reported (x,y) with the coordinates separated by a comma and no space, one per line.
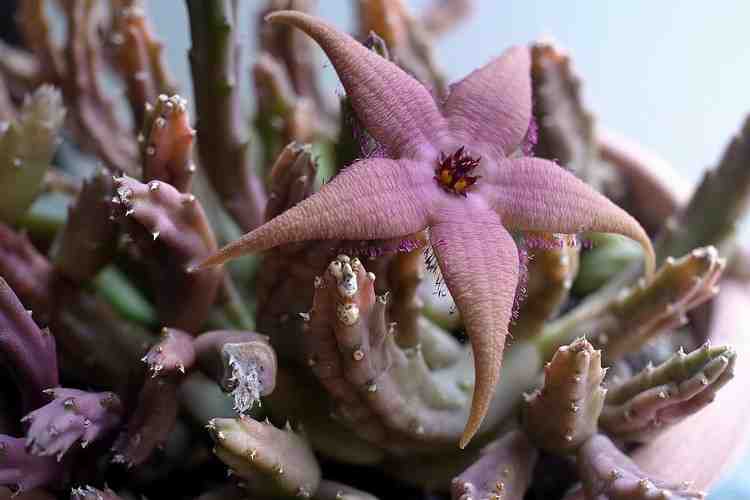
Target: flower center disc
(452,172)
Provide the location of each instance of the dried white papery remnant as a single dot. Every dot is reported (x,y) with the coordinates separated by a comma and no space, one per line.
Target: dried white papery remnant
(242,376)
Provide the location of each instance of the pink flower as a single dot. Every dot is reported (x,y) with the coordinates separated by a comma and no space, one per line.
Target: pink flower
(482,191)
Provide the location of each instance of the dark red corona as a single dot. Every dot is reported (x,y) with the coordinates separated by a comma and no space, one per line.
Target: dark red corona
(452,172)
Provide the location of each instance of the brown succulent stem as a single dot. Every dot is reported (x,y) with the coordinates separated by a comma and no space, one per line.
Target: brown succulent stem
(87,241)
(166,142)
(552,265)
(406,271)
(409,41)
(83,88)
(292,49)
(282,117)
(139,58)
(566,131)
(34,25)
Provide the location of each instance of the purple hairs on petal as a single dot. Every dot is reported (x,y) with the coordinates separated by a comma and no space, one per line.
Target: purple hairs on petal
(523,278)
(531,138)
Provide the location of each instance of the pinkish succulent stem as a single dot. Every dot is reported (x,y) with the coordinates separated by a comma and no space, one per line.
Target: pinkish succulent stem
(503,471)
(155,414)
(566,128)
(442,16)
(352,350)
(276,462)
(290,400)
(171,229)
(72,417)
(283,281)
(409,41)
(640,408)
(331,490)
(36,30)
(607,473)
(173,354)
(564,413)
(405,273)
(22,471)
(26,350)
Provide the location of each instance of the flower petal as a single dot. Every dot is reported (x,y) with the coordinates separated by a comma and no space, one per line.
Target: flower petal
(493,104)
(479,263)
(377,198)
(394,107)
(539,195)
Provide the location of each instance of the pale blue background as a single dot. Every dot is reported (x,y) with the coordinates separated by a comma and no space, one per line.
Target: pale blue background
(675,75)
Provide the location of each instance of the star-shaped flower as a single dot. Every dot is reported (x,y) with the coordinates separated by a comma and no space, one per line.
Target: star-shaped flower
(452,169)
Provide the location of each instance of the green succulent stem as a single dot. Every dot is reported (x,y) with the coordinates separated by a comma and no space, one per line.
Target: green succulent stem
(624,320)
(222,134)
(716,207)
(561,415)
(26,148)
(125,297)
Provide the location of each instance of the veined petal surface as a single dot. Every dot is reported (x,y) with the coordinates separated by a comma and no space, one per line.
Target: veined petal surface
(372,199)
(538,195)
(492,105)
(397,110)
(479,263)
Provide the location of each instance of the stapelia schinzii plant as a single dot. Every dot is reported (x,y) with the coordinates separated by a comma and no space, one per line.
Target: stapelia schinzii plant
(331,368)
(451,168)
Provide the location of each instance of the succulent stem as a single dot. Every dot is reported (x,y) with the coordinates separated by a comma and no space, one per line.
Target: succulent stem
(27,145)
(277,462)
(564,413)
(222,136)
